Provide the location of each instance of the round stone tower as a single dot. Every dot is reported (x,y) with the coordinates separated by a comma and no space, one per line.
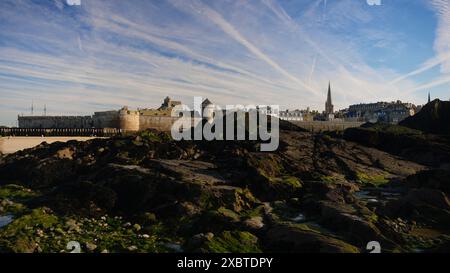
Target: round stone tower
(128,119)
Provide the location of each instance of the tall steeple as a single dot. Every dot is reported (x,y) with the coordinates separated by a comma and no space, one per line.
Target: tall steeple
(329,108)
(429,97)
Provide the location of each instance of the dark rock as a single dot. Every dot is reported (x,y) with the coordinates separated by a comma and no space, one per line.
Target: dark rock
(434,117)
(424,149)
(301,238)
(177,190)
(432,179)
(345,219)
(231,242)
(254,223)
(427,206)
(76,197)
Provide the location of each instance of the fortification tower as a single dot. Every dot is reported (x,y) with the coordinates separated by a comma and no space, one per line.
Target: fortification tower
(128,119)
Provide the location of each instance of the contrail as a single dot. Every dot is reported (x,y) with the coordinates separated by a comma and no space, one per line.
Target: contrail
(427,66)
(233,33)
(324,9)
(281,13)
(437,82)
(313,68)
(442,41)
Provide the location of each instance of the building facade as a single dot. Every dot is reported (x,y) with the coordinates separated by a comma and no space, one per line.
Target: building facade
(391,112)
(124,119)
(296,115)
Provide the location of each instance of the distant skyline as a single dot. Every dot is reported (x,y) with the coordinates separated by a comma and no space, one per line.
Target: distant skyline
(102,55)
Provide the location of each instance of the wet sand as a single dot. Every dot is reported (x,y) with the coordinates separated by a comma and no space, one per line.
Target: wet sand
(13,144)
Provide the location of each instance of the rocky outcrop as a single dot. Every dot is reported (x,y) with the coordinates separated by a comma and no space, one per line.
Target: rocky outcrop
(413,145)
(146,192)
(301,238)
(438,179)
(433,118)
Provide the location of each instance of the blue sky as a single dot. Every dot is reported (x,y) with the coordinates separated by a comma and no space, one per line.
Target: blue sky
(102,55)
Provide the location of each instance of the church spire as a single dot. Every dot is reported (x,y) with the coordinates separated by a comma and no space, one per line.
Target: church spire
(329,93)
(429,97)
(329,108)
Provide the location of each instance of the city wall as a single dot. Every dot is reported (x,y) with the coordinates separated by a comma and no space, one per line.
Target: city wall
(127,120)
(106,119)
(163,123)
(57,122)
(124,120)
(320,126)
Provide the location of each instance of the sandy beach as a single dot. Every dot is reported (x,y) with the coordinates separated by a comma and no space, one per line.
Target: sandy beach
(13,144)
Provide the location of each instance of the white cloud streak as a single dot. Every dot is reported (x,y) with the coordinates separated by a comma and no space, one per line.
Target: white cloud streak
(106,54)
(233,33)
(441,46)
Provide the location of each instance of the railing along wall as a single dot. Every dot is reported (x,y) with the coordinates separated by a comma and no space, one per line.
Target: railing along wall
(94,132)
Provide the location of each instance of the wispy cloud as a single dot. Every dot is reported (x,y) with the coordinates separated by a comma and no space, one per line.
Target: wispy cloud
(429,64)
(441,47)
(233,33)
(442,43)
(106,54)
(434,83)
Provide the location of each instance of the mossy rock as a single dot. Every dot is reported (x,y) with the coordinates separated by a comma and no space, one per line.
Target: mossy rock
(255,212)
(154,136)
(212,221)
(43,231)
(19,236)
(330,179)
(305,238)
(14,192)
(233,216)
(232,242)
(283,187)
(393,129)
(236,199)
(374,180)
(266,165)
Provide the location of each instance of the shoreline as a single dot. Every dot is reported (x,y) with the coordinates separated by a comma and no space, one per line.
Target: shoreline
(12,144)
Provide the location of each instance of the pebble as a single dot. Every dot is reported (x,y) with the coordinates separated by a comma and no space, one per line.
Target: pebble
(137,227)
(132,248)
(91,246)
(39,232)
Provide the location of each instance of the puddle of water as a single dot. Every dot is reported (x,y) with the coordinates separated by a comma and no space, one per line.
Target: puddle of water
(174,246)
(315,225)
(390,193)
(299,218)
(5,220)
(378,197)
(364,195)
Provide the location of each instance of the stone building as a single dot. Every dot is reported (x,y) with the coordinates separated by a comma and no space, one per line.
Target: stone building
(391,112)
(296,115)
(169,104)
(328,114)
(124,119)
